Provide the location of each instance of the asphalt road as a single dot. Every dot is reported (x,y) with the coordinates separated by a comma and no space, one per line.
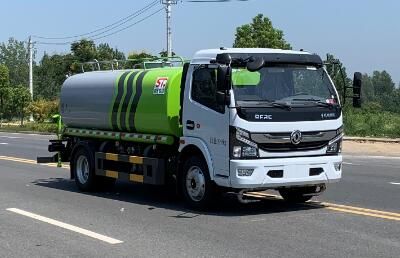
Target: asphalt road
(358,217)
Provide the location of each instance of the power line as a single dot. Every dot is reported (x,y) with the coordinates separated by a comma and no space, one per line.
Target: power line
(214,1)
(108,27)
(107,35)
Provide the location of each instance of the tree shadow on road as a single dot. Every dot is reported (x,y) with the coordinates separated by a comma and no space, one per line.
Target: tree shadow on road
(156,197)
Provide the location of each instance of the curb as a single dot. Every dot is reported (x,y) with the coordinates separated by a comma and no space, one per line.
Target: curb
(368,139)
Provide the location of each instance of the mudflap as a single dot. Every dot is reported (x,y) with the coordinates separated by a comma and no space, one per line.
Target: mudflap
(53,159)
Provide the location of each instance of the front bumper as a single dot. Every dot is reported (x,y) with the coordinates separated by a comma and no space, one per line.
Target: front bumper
(296,172)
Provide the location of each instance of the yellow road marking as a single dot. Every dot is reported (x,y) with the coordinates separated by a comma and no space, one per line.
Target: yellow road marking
(339,207)
(18,159)
(364,213)
(30,161)
(260,194)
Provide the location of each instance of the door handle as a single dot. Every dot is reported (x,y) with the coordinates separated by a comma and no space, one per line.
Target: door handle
(190,124)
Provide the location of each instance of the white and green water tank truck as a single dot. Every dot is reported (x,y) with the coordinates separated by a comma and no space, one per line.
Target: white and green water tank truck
(234,120)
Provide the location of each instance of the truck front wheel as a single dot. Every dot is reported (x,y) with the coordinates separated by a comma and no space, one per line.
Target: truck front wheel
(196,185)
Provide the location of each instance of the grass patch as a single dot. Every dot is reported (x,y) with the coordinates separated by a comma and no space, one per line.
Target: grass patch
(372,123)
(34,127)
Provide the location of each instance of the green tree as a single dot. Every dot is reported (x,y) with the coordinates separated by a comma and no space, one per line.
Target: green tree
(367,90)
(105,52)
(260,34)
(383,83)
(50,74)
(4,89)
(14,55)
(20,100)
(136,58)
(337,71)
(84,50)
(385,91)
(164,53)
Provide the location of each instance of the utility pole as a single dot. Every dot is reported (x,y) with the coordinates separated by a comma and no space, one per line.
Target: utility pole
(168,7)
(30,49)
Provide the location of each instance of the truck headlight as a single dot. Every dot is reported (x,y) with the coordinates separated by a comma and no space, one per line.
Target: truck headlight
(335,145)
(242,146)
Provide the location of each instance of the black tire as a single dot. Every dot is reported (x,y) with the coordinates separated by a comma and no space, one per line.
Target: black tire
(202,201)
(297,195)
(88,182)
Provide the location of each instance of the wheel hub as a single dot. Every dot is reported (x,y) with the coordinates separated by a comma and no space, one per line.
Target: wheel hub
(82,169)
(195,183)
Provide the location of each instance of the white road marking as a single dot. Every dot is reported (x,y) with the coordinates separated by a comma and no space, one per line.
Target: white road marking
(66,226)
(3,143)
(394,183)
(11,137)
(22,133)
(371,157)
(350,163)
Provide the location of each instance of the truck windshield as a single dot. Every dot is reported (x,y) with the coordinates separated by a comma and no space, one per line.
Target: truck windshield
(289,84)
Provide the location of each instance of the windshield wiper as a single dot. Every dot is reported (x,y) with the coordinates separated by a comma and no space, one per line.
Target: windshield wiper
(281,105)
(270,103)
(318,102)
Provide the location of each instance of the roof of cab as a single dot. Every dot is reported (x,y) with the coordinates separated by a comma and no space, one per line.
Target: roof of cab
(204,56)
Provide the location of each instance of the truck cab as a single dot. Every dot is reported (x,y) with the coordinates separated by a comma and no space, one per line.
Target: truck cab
(262,119)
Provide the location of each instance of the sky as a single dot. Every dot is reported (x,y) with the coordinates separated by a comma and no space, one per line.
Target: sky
(363,34)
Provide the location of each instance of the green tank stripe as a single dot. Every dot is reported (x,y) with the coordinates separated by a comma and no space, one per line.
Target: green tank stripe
(124,99)
(128,108)
(139,89)
(110,112)
(120,91)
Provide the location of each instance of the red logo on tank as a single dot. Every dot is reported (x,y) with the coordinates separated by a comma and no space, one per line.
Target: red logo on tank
(160,86)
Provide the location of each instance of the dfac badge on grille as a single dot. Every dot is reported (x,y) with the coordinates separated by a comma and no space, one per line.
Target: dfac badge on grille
(296,137)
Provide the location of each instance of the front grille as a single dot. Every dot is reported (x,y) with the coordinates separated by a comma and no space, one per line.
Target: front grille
(284,147)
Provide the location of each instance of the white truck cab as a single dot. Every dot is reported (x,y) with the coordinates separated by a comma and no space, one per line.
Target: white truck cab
(262,119)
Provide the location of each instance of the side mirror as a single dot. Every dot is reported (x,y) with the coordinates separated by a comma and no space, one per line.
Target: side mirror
(357,83)
(223,99)
(224,59)
(224,78)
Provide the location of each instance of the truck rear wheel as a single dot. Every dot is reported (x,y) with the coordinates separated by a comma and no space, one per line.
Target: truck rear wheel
(196,185)
(298,194)
(83,169)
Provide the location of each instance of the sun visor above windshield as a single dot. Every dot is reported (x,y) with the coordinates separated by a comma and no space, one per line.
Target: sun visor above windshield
(239,59)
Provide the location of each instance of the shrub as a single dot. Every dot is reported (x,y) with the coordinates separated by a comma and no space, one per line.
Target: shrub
(44,109)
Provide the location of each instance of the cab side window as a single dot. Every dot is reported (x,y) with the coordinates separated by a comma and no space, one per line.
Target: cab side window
(204,87)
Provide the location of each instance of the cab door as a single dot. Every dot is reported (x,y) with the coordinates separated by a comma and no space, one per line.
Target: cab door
(204,119)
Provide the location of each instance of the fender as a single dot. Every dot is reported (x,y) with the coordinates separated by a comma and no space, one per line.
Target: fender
(201,145)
